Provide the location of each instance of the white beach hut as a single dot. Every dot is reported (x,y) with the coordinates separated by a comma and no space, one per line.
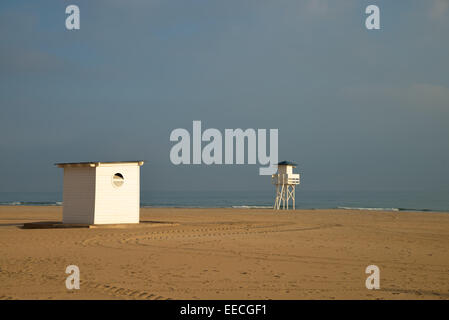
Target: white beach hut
(101,192)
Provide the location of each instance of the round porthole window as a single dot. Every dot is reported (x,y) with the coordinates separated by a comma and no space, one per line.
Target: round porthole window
(118,180)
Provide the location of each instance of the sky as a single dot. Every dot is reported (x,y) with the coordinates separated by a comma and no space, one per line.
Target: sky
(357,109)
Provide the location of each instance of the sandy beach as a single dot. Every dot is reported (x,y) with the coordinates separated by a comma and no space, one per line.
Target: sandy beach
(228,254)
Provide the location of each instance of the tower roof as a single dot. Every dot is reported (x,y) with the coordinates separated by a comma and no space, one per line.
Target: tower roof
(287,163)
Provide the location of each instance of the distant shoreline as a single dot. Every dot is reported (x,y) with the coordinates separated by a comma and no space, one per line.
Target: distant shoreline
(351,200)
(255,207)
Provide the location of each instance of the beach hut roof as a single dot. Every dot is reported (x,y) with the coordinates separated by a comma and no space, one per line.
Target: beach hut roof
(287,163)
(99,163)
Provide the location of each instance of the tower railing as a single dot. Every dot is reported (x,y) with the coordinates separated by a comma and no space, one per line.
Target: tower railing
(285,178)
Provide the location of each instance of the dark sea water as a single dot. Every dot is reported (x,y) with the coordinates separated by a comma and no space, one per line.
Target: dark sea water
(373,200)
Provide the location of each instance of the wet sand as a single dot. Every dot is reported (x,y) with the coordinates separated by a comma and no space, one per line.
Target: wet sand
(228,254)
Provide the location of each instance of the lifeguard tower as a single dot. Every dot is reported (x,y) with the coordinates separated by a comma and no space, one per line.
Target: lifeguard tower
(285,181)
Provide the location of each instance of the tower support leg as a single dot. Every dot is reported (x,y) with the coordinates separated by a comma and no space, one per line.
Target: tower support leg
(293,196)
(282,197)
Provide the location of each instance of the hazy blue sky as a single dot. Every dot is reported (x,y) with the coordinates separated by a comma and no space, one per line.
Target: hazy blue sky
(357,109)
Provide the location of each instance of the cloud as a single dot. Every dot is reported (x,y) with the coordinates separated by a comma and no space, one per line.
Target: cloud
(418,95)
(318,6)
(15,61)
(439,9)
(428,95)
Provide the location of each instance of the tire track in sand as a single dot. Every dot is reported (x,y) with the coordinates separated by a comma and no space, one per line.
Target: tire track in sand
(220,232)
(120,292)
(137,238)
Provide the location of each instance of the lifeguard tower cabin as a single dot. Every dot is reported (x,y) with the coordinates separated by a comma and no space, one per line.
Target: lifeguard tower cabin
(285,181)
(101,192)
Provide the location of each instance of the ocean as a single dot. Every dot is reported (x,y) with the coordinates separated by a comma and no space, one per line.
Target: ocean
(305,199)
